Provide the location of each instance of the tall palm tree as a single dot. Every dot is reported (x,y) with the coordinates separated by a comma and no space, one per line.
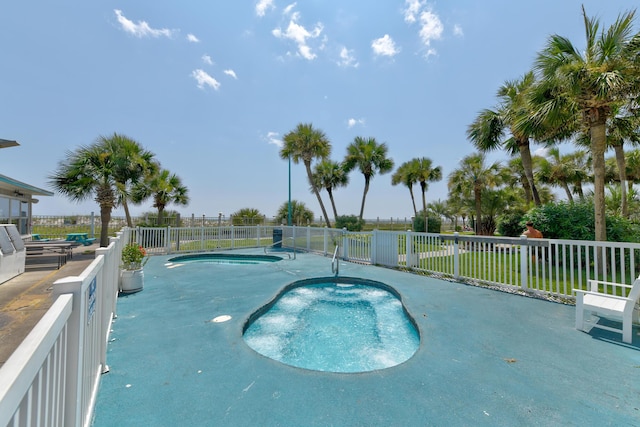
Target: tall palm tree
(503,128)
(621,130)
(164,188)
(471,178)
(405,175)
(424,173)
(370,158)
(90,171)
(330,175)
(306,144)
(132,163)
(560,171)
(590,84)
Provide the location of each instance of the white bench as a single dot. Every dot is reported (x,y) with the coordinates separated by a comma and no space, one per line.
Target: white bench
(607,305)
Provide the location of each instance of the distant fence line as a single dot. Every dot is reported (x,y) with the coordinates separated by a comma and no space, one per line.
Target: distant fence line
(56,226)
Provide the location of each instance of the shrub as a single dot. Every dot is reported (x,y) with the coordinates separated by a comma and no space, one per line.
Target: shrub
(576,221)
(434,224)
(350,222)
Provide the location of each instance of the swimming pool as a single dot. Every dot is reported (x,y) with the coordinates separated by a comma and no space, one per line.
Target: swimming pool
(334,324)
(229,259)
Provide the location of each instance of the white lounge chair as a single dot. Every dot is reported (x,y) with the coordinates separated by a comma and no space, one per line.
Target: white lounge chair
(608,305)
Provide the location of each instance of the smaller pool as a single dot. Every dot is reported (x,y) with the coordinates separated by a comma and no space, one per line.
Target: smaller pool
(229,259)
(334,325)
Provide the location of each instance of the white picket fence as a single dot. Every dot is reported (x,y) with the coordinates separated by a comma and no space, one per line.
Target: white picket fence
(52,378)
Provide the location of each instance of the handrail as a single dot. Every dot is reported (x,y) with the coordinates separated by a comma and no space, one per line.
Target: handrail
(335,262)
(279,242)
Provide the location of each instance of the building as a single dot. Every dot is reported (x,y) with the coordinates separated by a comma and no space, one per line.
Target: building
(17,198)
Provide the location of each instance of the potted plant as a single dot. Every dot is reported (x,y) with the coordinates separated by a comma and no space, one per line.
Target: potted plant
(134,257)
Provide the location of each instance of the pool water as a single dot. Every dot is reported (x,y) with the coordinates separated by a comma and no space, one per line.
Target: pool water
(335,327)
(226,259)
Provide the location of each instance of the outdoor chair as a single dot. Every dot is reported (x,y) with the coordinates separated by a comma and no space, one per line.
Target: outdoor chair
(602,304)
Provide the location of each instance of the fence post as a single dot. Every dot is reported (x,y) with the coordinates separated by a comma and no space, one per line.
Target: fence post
(168,239)
(456,255)
(345,243)
(93,225)
(524,263)
(372,249)
(326,239)
(309,238)
(408,249)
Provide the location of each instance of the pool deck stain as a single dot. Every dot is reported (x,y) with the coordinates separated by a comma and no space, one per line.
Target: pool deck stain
(485,358)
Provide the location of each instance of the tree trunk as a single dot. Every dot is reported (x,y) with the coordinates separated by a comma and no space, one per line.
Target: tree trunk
(527,164)
(622,169)
(364,195)
(423,188)
(307,166)
(598,145)
(413,202)
(477,192)
(105,218)
(333,204)
(567,190)
(127,215)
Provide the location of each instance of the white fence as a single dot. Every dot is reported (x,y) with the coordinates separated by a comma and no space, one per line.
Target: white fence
(552,267)
(52,378)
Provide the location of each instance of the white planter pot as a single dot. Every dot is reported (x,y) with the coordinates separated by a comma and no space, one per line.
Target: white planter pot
(131,281)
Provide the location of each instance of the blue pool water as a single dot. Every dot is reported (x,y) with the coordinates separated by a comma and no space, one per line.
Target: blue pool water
(228,259)
(335,327)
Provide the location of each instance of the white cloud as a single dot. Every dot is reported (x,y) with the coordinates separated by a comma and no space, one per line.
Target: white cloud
(262,6)
(300,35)
(207,59)
(347,59)
(205,79)
(384,46)
(231,73)
(430,27)
(287,10)
(142,28)
(192,38)
(272,138)
(412,10)
(457,31)
(352,122)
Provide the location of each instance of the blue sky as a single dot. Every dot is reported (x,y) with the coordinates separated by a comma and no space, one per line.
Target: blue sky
(211,87)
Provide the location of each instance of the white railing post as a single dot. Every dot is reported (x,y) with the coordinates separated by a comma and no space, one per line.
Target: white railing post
(524,263)
(345,243)
(408,249)
(456,255)
(258,235)
(75,329)
(168,239)
(372,249)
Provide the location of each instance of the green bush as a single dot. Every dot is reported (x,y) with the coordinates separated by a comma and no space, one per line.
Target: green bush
(434,224)
(511,225)
(350,222)
(576,221)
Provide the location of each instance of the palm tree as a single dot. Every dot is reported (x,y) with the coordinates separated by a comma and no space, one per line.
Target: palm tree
(164,188)
(369,157)
(404,175)
(471,178)
(306,144)
(424,173)
(620,130)
(330,175)
(90,171)
(133,162)
(590,84)
(489,129)
(559,171)
(299,213)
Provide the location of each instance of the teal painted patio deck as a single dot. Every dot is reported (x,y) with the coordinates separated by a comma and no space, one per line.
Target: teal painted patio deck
(485,358)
